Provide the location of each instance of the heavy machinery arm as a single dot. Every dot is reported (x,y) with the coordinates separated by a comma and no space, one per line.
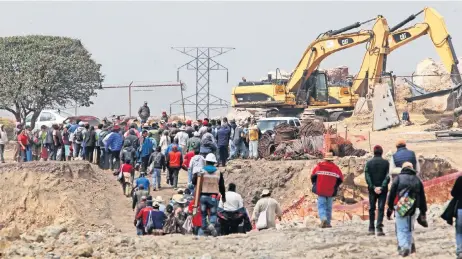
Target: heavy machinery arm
(374,61)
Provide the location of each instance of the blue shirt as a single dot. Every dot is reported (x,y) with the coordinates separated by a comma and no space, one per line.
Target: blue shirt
(115,142)
(73,128)
(143,181)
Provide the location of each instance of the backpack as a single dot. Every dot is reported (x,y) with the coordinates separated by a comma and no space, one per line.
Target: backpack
(78,135)
(102,134)
(128,155)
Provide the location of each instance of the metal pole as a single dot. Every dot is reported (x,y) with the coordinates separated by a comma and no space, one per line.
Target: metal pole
(182,101)
(75,111)
(130,99)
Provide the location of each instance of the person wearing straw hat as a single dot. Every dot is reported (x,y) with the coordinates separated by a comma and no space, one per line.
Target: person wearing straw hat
(267,205)
(326,178)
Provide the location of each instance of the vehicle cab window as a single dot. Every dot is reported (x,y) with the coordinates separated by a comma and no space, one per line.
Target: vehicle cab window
(297,123)
(46,116)
(291,123)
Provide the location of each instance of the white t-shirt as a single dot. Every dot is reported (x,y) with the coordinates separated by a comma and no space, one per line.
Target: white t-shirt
(233,202)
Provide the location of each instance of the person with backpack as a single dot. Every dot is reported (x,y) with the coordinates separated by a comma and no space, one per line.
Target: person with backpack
(156,220)
(128,152)
(377,178)
(143,181)
(406,195)
(78,139)
(157,163)
(194,142)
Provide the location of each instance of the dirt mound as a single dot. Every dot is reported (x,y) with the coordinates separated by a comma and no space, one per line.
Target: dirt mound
(39,194)
(288,180)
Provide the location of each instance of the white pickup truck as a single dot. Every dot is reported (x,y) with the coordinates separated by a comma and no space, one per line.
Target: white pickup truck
(265,124)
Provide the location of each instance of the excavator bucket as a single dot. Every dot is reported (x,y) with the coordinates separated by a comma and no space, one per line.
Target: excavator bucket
(385,114)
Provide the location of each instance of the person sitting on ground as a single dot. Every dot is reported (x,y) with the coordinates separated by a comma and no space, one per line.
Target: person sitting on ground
(143,216)
(326,178)
(405,187)
(376,173)
(138,194)
(267,205)
(406,118)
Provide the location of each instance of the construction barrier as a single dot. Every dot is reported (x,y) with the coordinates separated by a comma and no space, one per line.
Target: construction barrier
(437,190)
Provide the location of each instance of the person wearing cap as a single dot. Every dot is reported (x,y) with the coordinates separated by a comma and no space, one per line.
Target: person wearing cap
(194,142)
(377,179)
(407,185)
(140,205)
(158,218)
(182,138)
(189,129)
(143,217)
(213,184)
(144,112)
(326,178)
(146,148)
(113,147)
(204,127)
(174,162)
(272,208)
(402,155)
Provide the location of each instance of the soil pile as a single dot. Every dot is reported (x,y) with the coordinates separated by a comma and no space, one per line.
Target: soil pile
(39,194)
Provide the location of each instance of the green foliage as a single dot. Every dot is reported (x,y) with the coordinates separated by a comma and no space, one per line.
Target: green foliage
(38,72)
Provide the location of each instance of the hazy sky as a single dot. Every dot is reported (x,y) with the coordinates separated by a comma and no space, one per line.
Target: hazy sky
(133,40)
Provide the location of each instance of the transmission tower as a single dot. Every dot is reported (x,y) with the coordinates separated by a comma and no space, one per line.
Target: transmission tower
(203,62)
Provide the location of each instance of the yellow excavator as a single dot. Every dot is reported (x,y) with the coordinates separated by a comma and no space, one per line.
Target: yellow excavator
(307,86)
(375,59)
(382,42)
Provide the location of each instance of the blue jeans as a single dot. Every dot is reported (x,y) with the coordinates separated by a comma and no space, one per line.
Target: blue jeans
(139,231)
(404,230)
(207,202)
(232,149)
(156,177)
(190,176)
(325,208)
(459,232)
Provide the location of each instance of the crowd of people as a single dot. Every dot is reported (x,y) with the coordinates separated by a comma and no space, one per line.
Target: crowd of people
(205,207)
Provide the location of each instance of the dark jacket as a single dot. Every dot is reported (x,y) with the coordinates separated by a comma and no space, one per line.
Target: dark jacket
(159,165)
(376,172)
(223,136)
(158,219)
(144,112)
(408,179)
(404,155)
(133,139)
(90,138)
(128,153)
(456,191)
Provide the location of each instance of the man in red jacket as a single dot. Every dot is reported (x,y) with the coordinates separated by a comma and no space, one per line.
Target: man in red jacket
(326,178)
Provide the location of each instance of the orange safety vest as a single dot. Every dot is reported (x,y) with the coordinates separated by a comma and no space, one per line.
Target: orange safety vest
(175,159)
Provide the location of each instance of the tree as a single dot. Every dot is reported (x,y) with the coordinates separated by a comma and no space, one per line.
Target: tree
(39,72)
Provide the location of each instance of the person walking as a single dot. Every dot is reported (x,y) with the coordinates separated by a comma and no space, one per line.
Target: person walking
(223,135)
(146,148)
(266,204)
(402,155)
(158,163)
(113,146)
(376,173)
(194,142)
(90,143)
(213,184)
(454,210)
(3,142)
(326,178)
(164,141)
(174,162)
(406,195)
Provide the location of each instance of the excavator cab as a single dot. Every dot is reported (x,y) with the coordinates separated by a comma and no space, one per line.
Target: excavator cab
(318,93)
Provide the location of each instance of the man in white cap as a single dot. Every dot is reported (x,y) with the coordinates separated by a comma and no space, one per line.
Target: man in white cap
(326,178)
(269,206)
(182,138)
(213,184)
